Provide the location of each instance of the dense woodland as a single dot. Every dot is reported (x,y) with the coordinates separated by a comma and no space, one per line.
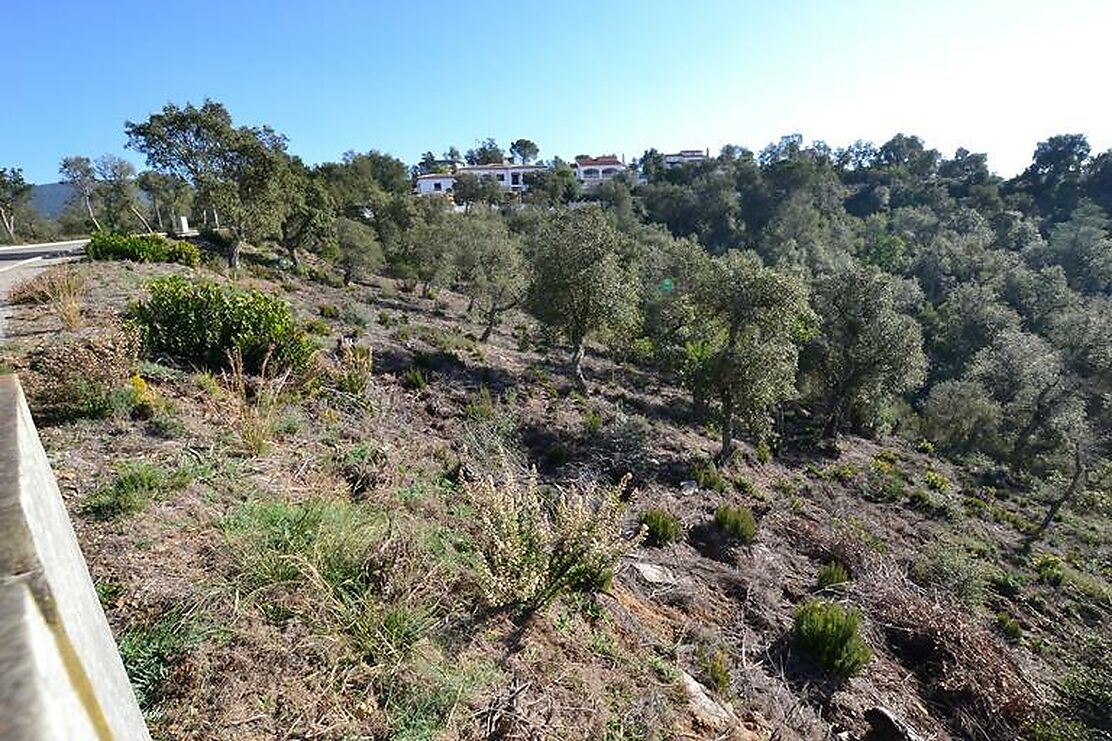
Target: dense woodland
(797,294)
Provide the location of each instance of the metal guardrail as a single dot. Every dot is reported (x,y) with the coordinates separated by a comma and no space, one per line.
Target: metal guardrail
(61,676)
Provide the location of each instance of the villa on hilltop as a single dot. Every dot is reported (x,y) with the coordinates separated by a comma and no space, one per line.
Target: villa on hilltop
(591,171)
(508,175)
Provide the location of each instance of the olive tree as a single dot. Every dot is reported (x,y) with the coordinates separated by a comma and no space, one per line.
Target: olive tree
(579,284)
(489,265)
(751,317)
(359,252)
(867,351)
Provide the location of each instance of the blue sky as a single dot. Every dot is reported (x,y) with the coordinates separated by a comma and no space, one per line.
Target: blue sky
(575,76)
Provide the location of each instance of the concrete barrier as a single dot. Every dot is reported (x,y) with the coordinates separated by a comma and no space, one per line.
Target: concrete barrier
(60,671)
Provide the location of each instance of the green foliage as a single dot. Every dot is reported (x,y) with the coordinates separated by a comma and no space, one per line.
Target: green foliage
(843,473)
(480,405)
(150,650)
(736,522)
(832,574)
(1009,626)
(936,481)
(328,311)
(953,570)
(362,466)
(713,668)
(661,526)
(764,453)
(1049,568)
(829,634)
(706,475)
(136,485)
(592,421)
(141,248)
(203,322)
(414,379)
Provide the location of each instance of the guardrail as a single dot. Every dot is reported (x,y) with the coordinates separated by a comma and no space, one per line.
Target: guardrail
(61,676)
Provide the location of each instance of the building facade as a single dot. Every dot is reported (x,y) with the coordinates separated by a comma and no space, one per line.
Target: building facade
(592,171)
(686,156)
(508,175)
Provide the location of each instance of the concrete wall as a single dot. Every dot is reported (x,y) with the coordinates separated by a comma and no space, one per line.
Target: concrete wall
(60,671)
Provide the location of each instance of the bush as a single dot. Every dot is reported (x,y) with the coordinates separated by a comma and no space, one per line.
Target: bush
(532,551)
(706,475)
(141,248)
(77,380)
(764,453)
(203,322)
(829,634)
(713,668)
(936,481)
(832,574)
(1049,568)
(1009,626)
(736,522)
(661,526)
(955,571)
(414,379)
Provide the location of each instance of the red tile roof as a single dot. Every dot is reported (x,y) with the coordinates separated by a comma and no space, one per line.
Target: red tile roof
(606,159)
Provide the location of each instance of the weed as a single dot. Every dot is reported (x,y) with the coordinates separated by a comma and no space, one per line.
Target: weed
(316,327)
(352,374)
(829,633)
(592,421)
(1049,568)
(706,475)
(736,522)
(62,288)
(764,453)
(77,379)
(713,668)
(108,593)
(744,485)
(841,472)
(665,669)
(936,481)
(920,500)
(832,574)
(150,650)
(925,446)
(532,551)
(1009,626)
(328,311)
(480,405)
(953,570)
(661,527)
(256,404)
(414,379)
(136,485)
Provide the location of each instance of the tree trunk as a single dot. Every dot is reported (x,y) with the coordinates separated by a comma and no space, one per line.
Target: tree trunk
(9,223)
(577,365)
(492,319)
(1077,483)
(92,216)
(158,214)
(140,217)
(233,252)
(727,400)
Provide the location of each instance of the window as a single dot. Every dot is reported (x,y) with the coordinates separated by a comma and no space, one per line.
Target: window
(515,178)
(437,186)
(501,177)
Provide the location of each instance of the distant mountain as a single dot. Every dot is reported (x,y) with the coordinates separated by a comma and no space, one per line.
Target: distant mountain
(51,199)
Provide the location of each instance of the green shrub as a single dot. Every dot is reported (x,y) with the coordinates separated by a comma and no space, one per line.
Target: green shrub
(414,379)
(661,526)
(1049,568)
(936,481)
(480,405)
(840,472)
(713,668)
(764,453)
(1009,626)
(736,522)
(706,475)
(203,322)
(141,248)
(921,500)
(744,485)
(316,327)
(328,311)
(925,446)
(137,484)
(953,570)
(832,574)
(829,634)
(592,421)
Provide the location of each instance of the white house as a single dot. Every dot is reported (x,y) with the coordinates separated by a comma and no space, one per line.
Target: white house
(685,156)
(508,175)
(590,171)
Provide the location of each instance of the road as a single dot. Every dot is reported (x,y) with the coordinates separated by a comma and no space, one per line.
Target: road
(47,250)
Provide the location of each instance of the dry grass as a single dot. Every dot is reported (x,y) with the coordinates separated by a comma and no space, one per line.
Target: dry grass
(62,288)
(257,401)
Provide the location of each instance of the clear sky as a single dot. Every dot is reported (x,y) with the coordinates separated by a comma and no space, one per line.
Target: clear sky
(576,76)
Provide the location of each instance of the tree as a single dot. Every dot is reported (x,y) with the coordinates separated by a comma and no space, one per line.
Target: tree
(237,172)
(489,265)
(1083,248)
(117,192)
(486,152)
(524,150)
(359,250)
(167,193)
(579,284)
(14,192)
(552,186)
(867,351)
(1054,179)
(751,317)
(470,189)
(80,173)
(310,217)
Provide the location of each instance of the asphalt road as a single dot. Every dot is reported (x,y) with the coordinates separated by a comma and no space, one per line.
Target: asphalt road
(48,250)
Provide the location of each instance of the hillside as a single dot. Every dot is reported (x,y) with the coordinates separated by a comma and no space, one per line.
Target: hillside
(297,556)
